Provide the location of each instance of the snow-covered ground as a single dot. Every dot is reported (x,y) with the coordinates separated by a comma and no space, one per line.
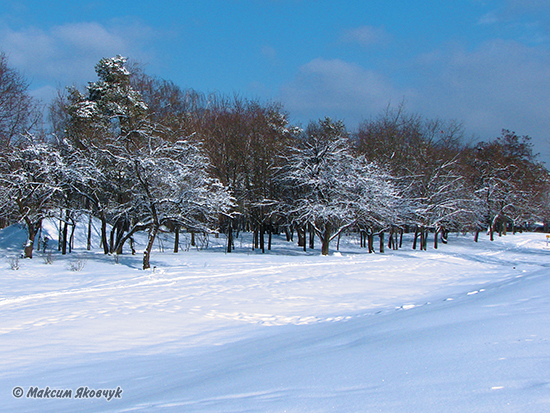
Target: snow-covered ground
(465,328)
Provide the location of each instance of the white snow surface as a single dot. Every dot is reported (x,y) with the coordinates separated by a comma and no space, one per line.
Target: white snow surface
(464,328)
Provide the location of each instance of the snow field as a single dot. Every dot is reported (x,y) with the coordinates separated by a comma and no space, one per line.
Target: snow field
(461,328)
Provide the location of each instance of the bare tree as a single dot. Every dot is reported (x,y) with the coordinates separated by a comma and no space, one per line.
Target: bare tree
(18,111)
(510,184)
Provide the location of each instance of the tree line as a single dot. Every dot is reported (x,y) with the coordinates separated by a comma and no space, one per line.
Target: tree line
(141,154)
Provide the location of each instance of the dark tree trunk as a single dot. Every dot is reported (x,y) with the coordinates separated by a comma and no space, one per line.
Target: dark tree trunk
(371,242)
(301,236)
(311,237)
(64,233)
(444,236)
(230,235)
(112,238)
(89,239)
(325,240)
(289,232)
(193,242)
(147,253)
(381,241)
(492,229)
(33,229)
(176,239)
(104,234)
(60,230)
(262,238)
(71,237)
(128,236)
(122,227)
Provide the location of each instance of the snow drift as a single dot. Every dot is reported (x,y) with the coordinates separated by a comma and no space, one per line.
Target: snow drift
(459,329)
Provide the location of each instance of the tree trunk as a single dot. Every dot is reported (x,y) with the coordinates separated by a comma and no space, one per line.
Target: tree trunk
(230,235)
(60,230)
(147,253)
(301,236)
(269,238)
(112,238)
(381,241)
(104,234)
(33,229)
(288,233)
(128,236)
(444,236)
(371,242)
(122,227)
(311,237)
(89,239)
(325,240)
(176,239)
(415,238)
(262,238)
(71,237)
(436,234)
(65,232)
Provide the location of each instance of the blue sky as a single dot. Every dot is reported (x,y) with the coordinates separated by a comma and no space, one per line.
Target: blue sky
(485,63)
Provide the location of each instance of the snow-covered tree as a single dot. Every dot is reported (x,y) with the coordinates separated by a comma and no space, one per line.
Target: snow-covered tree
(379,204)
(30,182)
(172,186)
(104,126)
(151,180)
(441,200)
(330,189)
(509,183)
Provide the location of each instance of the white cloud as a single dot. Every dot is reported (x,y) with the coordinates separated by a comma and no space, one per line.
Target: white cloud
(489,19)
(67,54)
(528,5)
(366,36)
(269,53)
(338,89)
(500,84)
